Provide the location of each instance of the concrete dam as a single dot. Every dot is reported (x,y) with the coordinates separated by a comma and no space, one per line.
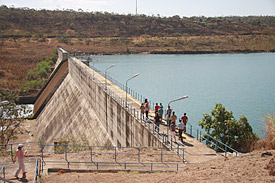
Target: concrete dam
(78,103)
(75,103)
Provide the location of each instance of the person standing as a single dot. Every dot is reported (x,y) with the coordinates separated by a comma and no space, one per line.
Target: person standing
(157,120)
(142,110)
(181,127)
(174,118)
(168,116)
(160,111)
(184,119)
(20,156)
(157,107)
(173,131)
(146,103)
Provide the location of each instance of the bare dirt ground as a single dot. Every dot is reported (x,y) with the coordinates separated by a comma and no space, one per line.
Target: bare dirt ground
(250,167)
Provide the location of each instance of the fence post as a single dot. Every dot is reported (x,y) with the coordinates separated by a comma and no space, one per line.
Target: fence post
(183,154)
(115,153)
(138,154)
(171,143)
(151,167)
(11,154)
(161,154)
(216,145)
(66,152)
(91,153)
(197,134)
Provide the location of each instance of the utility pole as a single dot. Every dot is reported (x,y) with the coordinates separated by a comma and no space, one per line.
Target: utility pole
(136,7)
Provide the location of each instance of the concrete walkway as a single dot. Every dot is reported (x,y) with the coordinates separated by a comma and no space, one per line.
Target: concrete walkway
(195,151)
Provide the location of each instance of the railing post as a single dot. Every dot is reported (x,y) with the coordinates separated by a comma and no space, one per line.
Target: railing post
(42,149)
(91,153)
(97,165)
(115,153)
(138,154)
(66,152)
(171,143)
(11,154)
(197,134)
(151,167)
(225,151)
(216,146)
(161,154)
(183,154)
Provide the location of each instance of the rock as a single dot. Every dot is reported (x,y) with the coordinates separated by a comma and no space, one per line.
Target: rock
(266,154)
(271,167)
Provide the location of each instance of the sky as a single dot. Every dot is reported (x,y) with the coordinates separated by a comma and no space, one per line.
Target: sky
(183,8)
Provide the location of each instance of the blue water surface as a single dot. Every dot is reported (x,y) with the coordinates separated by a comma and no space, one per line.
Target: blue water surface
(243,83)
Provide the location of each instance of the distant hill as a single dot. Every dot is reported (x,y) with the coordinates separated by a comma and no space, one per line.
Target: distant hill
(24,22)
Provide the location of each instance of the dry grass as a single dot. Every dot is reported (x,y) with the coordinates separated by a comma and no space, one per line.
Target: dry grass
(269,141)
(18,56)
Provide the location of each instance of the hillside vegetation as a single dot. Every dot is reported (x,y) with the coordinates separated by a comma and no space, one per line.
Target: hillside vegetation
(27,22)
(27,35)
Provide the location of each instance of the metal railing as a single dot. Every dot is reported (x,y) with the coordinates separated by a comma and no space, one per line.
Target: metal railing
(133,166)
(3,172)
(211,141)
(149,124)
(12,149)
(218,144)
(38,165)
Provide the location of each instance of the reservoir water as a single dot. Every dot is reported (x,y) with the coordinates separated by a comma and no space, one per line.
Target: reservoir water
(243,83)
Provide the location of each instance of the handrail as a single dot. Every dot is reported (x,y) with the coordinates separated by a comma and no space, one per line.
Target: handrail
(164,138)
(140,98)
(202,136)
(37,169)
(3,171)
(121,164)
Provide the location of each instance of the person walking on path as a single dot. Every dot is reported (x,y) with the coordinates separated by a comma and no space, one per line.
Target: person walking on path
(184,119)
(181,127)
(20,156)
(157,107)
(142,110)
(173,131)
(157,120)
(146,103)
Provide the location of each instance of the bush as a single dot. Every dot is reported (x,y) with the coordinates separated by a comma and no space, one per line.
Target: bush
(222,125)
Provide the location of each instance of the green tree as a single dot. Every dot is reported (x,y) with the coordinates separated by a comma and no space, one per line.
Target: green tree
(222,125)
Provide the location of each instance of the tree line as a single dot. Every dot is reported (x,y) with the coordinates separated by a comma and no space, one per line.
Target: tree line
(20,22)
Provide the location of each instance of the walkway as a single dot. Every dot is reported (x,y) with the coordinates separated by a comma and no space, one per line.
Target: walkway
(195,151)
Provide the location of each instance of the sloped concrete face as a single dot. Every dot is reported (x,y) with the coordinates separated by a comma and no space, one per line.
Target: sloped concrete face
(68,114)
(81,108)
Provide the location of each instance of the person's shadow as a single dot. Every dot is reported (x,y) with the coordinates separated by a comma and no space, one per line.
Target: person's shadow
(20,179)
(186,143)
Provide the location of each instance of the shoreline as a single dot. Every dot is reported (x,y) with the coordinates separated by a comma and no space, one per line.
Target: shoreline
(184,52)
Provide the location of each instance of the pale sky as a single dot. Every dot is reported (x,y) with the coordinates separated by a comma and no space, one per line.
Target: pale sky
(186,8)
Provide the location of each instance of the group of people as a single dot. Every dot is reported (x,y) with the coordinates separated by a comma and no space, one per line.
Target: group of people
(171,118)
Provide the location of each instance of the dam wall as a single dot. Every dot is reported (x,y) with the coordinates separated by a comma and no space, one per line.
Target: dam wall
(82,108)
